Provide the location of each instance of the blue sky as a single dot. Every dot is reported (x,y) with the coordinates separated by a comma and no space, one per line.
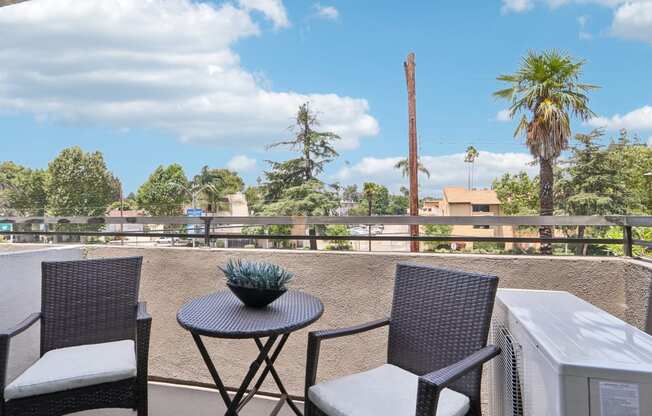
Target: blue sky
(151,83)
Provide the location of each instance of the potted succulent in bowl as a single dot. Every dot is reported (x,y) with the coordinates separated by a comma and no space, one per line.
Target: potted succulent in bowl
(256,284)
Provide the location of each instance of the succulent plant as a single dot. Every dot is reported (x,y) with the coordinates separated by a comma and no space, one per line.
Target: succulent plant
(256,275)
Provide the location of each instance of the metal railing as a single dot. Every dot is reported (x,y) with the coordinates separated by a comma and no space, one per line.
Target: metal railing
(207,224)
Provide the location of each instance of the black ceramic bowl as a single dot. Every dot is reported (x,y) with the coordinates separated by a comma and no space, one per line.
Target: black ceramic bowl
(256,298)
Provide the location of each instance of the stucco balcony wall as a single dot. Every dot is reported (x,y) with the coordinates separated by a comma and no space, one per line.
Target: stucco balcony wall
(354,287)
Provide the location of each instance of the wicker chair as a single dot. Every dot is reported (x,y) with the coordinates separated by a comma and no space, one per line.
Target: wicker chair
(94,342)
(437,345)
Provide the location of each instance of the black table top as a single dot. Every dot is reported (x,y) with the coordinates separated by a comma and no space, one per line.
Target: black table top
(222,315)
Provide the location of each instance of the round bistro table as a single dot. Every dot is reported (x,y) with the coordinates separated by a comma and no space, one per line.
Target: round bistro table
(222,315)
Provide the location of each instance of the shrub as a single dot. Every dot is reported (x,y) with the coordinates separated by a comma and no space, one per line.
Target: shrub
(338,230)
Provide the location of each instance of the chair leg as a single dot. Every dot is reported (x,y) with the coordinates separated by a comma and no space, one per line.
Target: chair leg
(142,407)
(310,409)
(141,401)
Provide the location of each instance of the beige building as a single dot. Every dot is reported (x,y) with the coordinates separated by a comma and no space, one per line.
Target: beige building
(430,207)
(478,203)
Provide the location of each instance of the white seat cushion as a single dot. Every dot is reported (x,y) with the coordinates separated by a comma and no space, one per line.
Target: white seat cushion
(384,391)
(74,367)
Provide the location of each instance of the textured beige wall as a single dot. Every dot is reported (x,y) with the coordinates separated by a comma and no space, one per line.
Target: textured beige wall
(638,285)
(8,248)
(355,288)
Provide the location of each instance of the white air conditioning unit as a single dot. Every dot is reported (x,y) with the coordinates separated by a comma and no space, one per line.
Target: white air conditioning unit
(562,356)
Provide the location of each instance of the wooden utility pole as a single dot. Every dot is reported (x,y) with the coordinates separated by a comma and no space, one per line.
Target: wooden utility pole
(413,159)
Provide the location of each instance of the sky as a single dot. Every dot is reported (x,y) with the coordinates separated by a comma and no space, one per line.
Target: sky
(213,82)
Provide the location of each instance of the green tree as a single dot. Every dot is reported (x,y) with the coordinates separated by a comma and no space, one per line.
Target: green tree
(375,200)
(639,233)
(469,158)
(590,183)
(350,193)
(28,195)
(298,177)
(164,193)
(126,205)
(517,193)
(633,160)
(442,230)
(79,183)
(308,199)
(315,150)
(215,184)
(338,230)
(547,91)
(398,205)
(9,172)
(254,196)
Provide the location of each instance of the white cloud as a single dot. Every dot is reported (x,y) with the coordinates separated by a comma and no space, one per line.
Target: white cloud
(272,9)
(241,163)
(84,63)
(327,12)
(633,20)
(649,141)
(516,6)
(446,170)
(583,22)
(639,119)
(503,116)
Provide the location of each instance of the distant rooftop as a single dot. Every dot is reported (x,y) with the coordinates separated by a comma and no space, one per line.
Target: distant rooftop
(460,195)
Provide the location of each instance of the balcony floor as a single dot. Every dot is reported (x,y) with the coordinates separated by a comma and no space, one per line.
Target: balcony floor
(174,400)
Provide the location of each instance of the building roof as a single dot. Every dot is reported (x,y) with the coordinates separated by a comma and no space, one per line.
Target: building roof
(456,195)
(434,202)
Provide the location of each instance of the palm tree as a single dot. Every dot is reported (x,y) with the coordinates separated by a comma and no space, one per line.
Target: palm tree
(404,167)
(470,157)
(547,91)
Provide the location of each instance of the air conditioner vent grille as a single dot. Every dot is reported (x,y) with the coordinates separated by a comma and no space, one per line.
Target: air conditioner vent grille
(509,371)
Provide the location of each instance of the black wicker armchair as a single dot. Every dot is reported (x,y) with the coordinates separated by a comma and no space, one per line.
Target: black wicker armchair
(437,345)
(94,342)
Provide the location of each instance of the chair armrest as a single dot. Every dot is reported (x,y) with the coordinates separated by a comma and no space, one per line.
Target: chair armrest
(314,342)
(431,384)
(22,326)
(143,328)
(5,340)
(352,330)
(142,314)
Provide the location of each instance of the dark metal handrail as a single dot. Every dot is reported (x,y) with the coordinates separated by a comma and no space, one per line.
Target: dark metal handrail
(615,220)
(206,222)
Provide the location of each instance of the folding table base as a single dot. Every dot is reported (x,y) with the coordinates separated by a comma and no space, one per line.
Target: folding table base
(236,404)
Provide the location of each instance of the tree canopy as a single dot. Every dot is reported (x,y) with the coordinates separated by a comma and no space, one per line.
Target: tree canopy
(28,195)
(79,183)
(546,90)
(590,183)
(164,192)
(518,194)
(213,185)
(404,166)
(315,150)
(311,198)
